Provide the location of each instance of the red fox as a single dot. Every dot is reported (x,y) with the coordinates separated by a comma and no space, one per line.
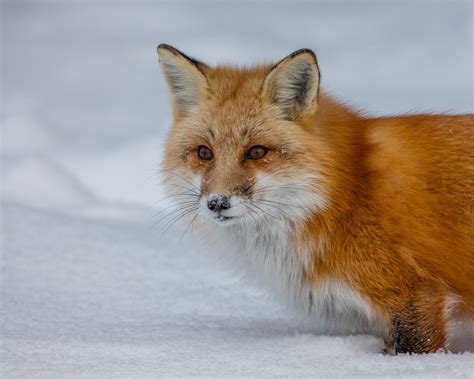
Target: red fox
(363,222)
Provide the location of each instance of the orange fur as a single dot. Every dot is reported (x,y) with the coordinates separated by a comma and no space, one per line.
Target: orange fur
(396,225)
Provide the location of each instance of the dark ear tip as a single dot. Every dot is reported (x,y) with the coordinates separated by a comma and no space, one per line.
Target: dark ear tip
(164,46)
(304,51)
(172,50)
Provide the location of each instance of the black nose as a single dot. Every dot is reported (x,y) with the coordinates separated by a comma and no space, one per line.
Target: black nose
(217,203)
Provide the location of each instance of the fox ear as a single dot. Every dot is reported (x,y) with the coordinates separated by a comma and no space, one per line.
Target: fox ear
(185,77)
(293,84)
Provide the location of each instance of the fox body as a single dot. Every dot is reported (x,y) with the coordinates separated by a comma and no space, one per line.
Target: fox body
(366,223)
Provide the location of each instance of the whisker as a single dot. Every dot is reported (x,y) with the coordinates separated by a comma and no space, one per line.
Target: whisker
(178,217)
(173,195)
(189,225)
(280,203)
(169,171)
(276,171)
(284,186)
(254,203)
(185,188)
(259,218)
(175,205)
(251,211)
(172,213)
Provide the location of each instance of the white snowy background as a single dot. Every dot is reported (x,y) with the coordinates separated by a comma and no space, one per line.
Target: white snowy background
(88,286)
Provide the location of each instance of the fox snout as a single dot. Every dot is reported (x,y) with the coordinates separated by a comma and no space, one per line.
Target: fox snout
(217,202)
(223,209)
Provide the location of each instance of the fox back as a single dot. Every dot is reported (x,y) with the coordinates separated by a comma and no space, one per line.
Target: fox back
(365,223)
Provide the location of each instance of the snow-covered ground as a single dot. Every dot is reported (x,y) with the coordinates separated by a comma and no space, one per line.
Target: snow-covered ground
(89,287)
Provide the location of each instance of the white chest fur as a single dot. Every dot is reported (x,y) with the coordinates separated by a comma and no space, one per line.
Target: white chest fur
(268,257)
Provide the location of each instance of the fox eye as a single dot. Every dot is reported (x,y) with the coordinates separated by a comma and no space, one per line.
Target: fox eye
(256,152)
(204,153)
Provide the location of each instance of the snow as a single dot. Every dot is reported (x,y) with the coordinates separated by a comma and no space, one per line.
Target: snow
(112,299)
(53,186)
(89,287)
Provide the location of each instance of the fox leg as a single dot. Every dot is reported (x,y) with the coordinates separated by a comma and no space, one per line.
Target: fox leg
(419,326)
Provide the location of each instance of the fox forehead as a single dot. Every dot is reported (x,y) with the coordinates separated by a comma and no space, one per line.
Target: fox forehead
(233,110)
(239,121)
(231,83)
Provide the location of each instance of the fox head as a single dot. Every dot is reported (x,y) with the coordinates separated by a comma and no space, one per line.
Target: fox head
(241,150)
